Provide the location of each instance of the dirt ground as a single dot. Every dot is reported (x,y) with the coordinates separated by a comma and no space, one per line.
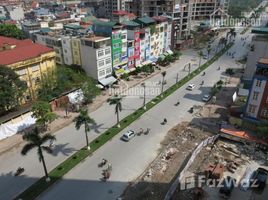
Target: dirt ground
(225,152)
(155,181)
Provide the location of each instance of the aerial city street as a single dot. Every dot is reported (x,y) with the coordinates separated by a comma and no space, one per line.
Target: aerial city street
(133,100)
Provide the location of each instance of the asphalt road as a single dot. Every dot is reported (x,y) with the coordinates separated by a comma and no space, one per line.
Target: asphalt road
(128,159)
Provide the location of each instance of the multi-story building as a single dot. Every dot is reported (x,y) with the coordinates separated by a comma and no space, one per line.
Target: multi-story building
(97,58)
(67,49)
(30,28)
(29,60)
(202,9)
(113,5)
(177,10)
(76,51)
(257,104)
(52,41)
(118,37)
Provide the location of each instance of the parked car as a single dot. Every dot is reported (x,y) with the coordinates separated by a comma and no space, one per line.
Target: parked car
(228,186)
(128,135)
(206,98)
(190,87)
(260,175)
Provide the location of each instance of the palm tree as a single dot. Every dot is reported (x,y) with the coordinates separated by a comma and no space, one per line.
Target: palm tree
(163,79)
(84,119)
(116,100)
(200,54)
(36,140)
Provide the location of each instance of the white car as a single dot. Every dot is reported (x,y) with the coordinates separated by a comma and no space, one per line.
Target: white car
(205,57)
(128,135)
(206,97)
(190,87)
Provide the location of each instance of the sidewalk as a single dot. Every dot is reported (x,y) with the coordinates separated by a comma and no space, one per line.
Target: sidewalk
(16,140)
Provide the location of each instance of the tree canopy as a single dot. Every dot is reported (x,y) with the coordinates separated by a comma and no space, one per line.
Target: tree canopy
(66,79)
(42,112)
(236,7)
(10,30)
(11,89)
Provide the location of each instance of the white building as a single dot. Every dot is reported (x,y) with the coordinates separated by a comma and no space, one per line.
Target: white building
(97,58)
(67,50)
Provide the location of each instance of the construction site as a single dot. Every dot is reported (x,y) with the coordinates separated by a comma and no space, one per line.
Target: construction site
(206,158)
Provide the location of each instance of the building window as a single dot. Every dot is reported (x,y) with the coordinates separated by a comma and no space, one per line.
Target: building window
(258,83)
(124,37)
(100,53)
(107,51)
(264,112)
(117,45)
(108,61)
(101,63)
(116,36)
(117,56)
(255,95)
(251,108)
(35,68)
(101,73)
(21,72)
(108,71)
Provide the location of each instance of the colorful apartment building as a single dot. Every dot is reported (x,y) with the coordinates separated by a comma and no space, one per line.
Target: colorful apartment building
(257,103)
(29,60)
(115,31)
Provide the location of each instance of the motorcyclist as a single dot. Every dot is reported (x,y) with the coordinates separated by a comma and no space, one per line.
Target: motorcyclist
(165,120)
(204,73)
(202,83)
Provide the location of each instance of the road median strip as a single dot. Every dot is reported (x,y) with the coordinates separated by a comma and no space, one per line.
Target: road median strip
(58,172)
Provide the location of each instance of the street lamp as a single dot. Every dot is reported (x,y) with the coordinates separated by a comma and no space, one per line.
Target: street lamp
(144,95)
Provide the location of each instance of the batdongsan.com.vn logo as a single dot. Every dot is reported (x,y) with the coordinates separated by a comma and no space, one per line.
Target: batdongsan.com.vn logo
(191,182)
(219,18)
(149,88)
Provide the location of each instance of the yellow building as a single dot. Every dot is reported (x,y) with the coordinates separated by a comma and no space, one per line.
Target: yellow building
(29,60)
(75,44)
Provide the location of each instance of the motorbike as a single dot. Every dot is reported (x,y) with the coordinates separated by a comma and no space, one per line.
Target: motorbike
(103,162)
(19,171)
(147,131)
(204,73)
(164,122)
(191,110)
(176,104)
(202,83)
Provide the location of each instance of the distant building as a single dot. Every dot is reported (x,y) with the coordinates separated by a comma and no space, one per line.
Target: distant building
(113,5)
(15,12)
(257,103)
(30,28)
(97,58)
(203,9)
(29,60)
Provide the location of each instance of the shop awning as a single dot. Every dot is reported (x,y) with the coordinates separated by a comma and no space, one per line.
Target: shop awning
(154,59)
(170,52)
(107,81)
(147,62)
(162,57)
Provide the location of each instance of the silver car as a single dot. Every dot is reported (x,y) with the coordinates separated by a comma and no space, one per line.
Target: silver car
(128,135)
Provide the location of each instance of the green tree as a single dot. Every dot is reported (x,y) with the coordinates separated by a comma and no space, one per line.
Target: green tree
(262,130)
(116,100)
(11,89)
(36,140)
(83,119)
(10,30)
(90,91)
(42,113)
(164,73)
